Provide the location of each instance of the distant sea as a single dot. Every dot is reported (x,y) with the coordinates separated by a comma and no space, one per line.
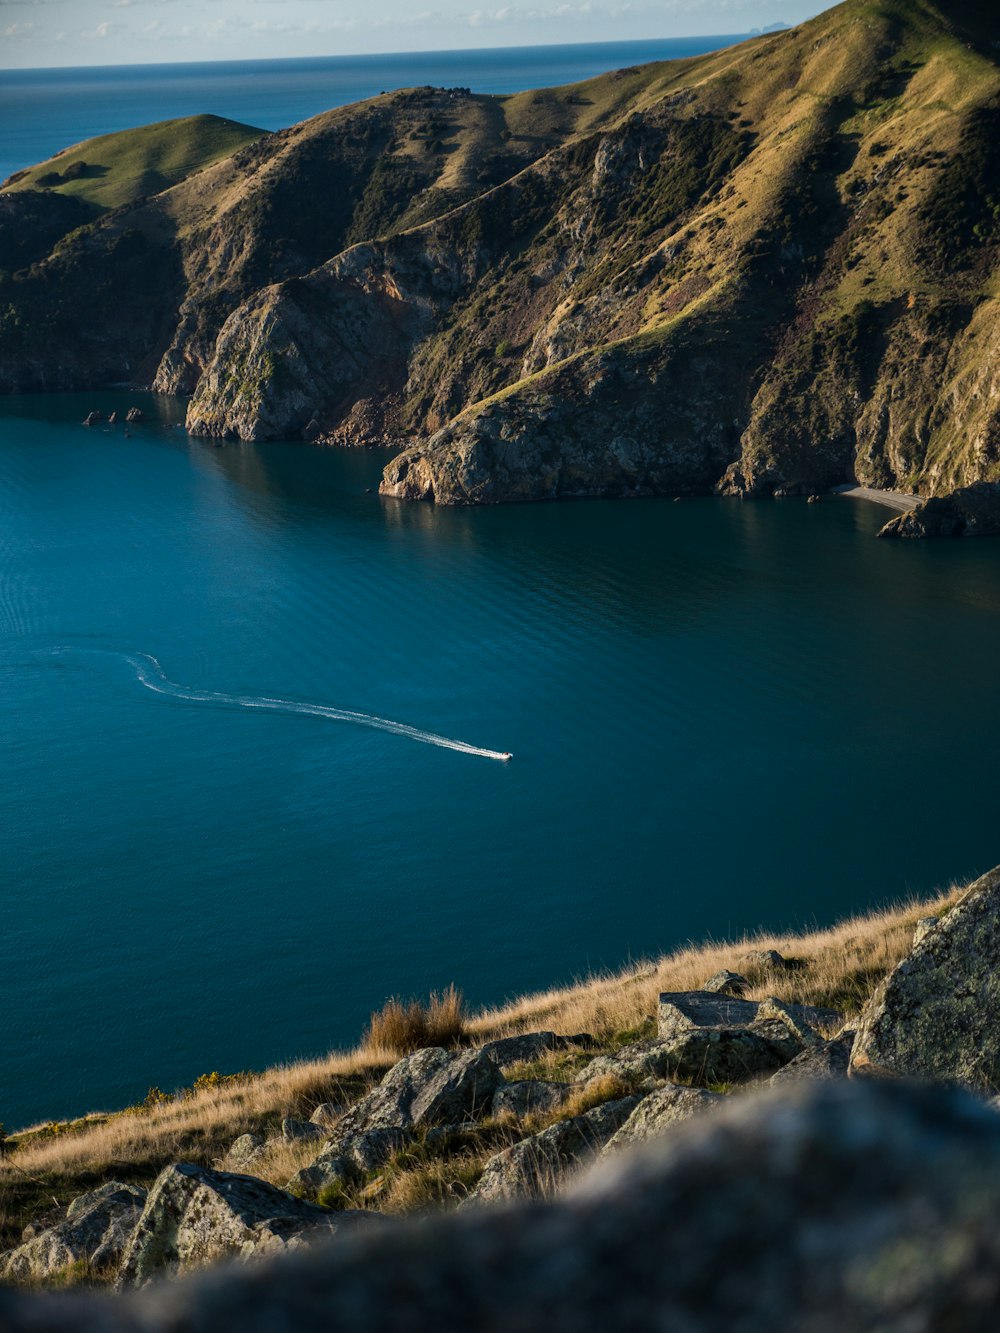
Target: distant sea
(44,110)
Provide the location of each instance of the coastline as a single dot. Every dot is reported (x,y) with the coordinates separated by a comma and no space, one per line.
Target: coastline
(897,500)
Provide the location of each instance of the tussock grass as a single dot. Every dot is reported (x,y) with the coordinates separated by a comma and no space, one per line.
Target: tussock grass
(838,966)
(400,1026)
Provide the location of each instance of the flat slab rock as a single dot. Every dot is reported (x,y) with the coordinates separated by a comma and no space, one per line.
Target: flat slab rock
(937,1014)
(194,1216)
(859,1206)
(682,1010)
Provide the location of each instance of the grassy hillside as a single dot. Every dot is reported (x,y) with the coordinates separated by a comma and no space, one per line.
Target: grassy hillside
(766,270)
(117,169)
(49,1164)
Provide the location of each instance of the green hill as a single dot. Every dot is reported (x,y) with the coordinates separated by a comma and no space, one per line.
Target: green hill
(117,169)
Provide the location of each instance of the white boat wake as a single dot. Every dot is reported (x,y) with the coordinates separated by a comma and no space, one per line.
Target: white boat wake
(150,674)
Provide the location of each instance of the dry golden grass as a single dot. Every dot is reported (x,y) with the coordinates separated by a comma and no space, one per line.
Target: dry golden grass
(597,1091)
(840,967)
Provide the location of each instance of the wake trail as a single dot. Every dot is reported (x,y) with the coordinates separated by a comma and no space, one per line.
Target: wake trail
(150,673)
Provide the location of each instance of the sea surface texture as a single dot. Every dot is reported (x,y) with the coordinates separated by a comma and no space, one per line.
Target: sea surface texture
(45,110)
(251,718)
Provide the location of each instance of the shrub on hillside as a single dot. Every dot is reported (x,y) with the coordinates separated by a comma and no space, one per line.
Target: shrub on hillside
(404,1026)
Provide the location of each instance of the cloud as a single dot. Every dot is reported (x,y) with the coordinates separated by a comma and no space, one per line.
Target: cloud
(101,32)
(480,18)
(17,30)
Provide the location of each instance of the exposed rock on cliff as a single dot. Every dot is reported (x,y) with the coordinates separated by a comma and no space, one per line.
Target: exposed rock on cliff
(432,1086)
(971,511)
(767,270)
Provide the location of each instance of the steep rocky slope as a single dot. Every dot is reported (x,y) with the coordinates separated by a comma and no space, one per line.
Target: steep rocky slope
(771,269)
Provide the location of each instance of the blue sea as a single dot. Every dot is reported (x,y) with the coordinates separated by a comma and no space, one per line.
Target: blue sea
(242,798)
(45,110)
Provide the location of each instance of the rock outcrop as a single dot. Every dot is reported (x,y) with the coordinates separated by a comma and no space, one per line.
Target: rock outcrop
(195,1217)
(970,511)
(92,1236)
(861,1205)
(537,1166)
(529,1097)
(832,1059)
(528,1046)
(937,1015)
(658,1112)
(430,1087)
(347,1158)
(245,1151)
(296,1131)
(686,1011)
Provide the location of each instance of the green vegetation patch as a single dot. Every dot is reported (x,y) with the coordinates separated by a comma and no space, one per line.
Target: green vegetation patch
(117,169)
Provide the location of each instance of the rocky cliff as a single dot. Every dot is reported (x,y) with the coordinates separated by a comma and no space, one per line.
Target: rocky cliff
(767,270)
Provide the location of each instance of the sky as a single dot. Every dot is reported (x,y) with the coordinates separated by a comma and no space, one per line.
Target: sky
(37,33)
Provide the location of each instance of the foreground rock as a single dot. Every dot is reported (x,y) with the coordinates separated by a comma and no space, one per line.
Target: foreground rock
(971,511)
(862,1206)
(537,1166)
(195,1217)
(93,1235)
(937,1015)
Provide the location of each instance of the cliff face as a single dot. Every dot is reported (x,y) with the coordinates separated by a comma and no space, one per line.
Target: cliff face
(766,270)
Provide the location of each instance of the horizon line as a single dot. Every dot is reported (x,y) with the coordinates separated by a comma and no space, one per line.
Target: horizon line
(735,39)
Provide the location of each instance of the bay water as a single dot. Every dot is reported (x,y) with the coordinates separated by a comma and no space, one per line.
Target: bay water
(723,715)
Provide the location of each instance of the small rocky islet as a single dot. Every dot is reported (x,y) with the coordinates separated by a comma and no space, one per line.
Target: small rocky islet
(760,1121)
